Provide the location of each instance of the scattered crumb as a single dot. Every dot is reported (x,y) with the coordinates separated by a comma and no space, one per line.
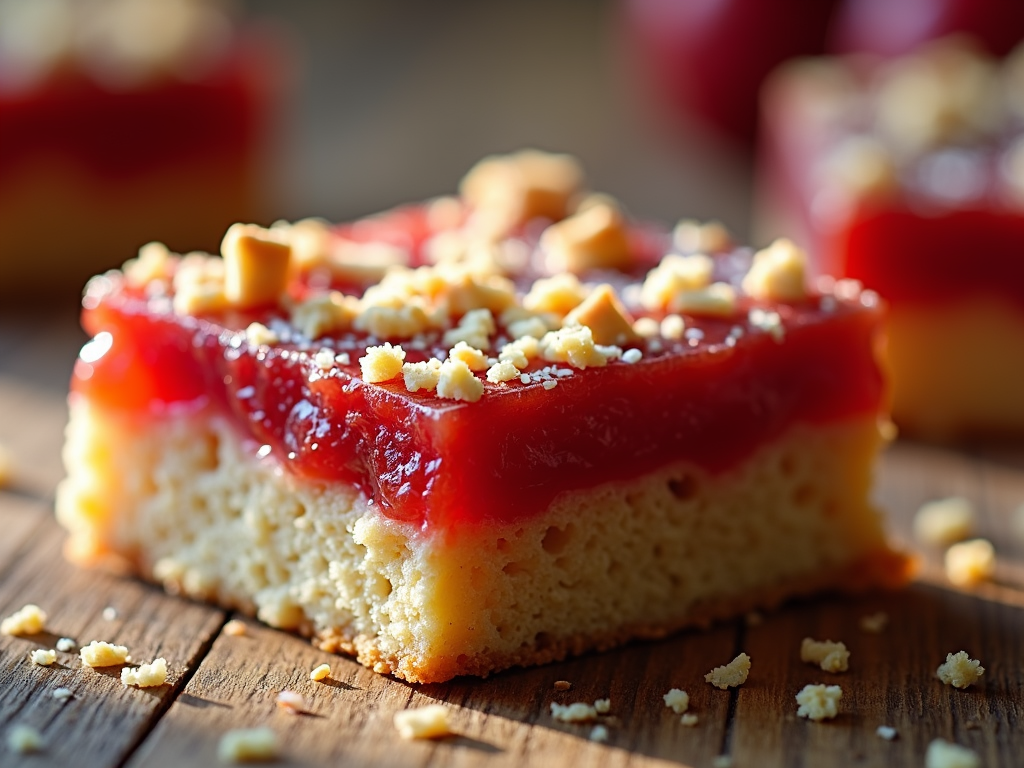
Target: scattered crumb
(235,628)
(382,363)
(677,700)
(101,654)
(580,712)
(754,619)
(970,562)
(65,645)
(960,670)
(258,335)
(874,622)
(777,273)
(29,620)
(110,613)
(886,732)
(599,733)
(146,675)
(722,761)
(819,702)
(24,739)
(320,673)
(730,675)
(291,702)
(429,722)
(830,656)
(455,381)
(943,754)
(246,745)
(62,694)
(42,657)
(944,521)
(689,719)
(562,685)
(603,706)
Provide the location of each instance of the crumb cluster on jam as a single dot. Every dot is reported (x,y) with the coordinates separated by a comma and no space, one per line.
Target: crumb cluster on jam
(475,356)
(899,172)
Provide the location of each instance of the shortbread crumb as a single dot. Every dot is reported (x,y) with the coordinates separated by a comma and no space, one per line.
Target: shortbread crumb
(291,702)
(943,754)
(65,645)
(677,700)
(689,719)
(599,733)
(830,656)
(603,706)
(970,562)
(382,363)
(62,694)
(429,722)
(730,675)
(42,657)
(109,613)
(562,685)
(886,732)
(235,628)
(146,675)
(102,654)
(247,745)
(456,381)
(944,521)
(580,712)
(874,623)
(819,702)
(320,673)
(29,620)
(960,670)
(24,739)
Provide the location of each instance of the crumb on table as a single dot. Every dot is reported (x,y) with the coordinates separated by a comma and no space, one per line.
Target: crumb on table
(429,722)
(730,675)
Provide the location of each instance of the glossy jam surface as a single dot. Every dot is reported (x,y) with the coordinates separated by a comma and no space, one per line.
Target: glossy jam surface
(440,463)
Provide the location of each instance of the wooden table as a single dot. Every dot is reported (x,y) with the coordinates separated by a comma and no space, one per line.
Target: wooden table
(219,681)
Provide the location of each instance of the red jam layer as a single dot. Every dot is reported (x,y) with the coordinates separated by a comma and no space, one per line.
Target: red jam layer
(908,256)
(440,463)
(118,133)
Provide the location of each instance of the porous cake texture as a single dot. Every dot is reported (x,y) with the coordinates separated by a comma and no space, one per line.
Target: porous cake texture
(191,506)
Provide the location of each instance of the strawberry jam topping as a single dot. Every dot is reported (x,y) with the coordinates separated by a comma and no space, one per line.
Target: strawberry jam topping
(711,398)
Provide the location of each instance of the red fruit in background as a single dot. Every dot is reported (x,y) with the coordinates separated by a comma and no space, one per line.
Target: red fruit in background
(895,27)
(708,57)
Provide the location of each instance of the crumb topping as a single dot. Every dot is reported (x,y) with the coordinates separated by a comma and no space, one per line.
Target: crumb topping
(730,675)
(522,271)
(830,656)
(778,273)
(819,702)
(579,712)
(960,670)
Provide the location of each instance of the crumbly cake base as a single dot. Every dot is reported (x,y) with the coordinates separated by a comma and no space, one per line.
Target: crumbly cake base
(190,505)
(956,367)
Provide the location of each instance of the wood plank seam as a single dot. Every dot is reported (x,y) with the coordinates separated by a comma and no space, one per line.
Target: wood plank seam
(734,693)
(179,688)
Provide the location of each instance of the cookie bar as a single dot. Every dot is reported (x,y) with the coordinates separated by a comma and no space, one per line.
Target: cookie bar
(908,176)
(490,430)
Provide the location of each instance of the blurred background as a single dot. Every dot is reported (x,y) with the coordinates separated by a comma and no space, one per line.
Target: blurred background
(124,121)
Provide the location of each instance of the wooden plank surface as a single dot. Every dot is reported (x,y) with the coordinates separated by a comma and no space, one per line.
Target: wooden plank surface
(219,681)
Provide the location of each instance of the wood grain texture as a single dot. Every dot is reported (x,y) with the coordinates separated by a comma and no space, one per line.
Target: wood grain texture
(104,720)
